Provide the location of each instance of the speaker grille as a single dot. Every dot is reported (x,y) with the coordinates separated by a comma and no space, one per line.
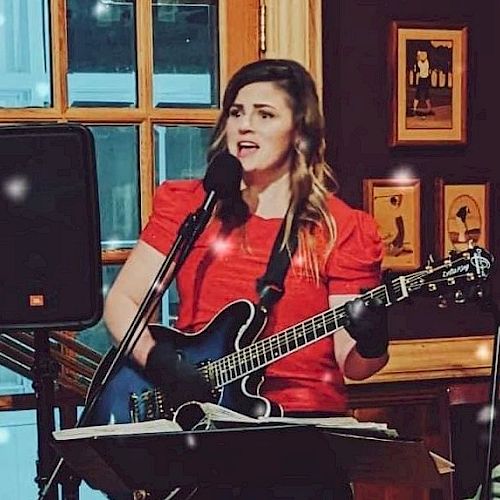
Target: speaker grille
(50,265)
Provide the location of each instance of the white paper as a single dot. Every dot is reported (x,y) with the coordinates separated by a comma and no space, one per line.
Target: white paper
(148,427)
(219,413)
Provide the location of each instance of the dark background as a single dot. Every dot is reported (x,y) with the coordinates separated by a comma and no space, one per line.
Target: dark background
(356,104)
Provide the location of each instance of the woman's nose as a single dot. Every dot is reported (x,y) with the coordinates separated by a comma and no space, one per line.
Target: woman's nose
(245,122)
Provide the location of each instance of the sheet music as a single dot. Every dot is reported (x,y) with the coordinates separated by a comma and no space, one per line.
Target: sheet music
(218,413)
(136,428)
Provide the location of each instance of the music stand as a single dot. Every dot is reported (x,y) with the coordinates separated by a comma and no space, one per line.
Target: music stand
(257,455)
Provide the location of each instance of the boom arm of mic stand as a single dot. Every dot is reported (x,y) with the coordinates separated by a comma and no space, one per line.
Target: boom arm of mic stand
(188,233)
(493,406)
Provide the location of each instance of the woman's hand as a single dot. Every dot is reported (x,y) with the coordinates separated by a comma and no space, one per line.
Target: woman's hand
(367,325)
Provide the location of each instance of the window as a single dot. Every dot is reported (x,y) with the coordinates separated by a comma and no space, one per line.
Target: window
(146,77)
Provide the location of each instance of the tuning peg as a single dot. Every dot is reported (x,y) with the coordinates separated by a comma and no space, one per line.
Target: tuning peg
(459,297)
(442,302)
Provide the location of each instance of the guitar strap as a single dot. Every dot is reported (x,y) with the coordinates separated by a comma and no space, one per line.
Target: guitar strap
(270,287)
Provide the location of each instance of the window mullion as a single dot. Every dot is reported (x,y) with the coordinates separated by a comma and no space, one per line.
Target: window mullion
(199,116)
(11,115)
(144,39)
(146,172)
(59,45)
(239,40)
(106,115)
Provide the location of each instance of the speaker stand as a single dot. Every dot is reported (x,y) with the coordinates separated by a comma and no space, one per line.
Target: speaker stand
(45,371)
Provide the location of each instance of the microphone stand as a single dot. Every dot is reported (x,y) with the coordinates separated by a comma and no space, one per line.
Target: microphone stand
(188,233)
(493,406)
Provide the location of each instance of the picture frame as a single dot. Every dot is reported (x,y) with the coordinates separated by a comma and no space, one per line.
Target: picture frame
(463,215)
(395,206)
(431,109)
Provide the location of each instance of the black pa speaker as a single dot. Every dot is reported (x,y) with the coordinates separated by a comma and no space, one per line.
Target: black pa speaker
(50,255)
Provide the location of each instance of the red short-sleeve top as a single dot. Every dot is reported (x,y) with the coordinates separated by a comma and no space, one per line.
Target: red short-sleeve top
(223,268)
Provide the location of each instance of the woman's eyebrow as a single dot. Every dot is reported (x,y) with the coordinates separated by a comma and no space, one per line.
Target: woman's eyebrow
(257,105)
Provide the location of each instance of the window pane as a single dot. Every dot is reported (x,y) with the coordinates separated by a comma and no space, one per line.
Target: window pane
(13,383)
(118,181)
(24,54)
(180,151)
(18,454)
(98,336)
(185,53)
(101,53)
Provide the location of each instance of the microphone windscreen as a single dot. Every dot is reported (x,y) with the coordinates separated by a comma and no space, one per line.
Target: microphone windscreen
(223,176)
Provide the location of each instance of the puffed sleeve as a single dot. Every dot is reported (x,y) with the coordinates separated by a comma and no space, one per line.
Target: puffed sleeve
(172,202)
(355,260)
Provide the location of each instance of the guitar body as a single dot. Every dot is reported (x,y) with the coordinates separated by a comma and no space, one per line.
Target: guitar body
(233,328)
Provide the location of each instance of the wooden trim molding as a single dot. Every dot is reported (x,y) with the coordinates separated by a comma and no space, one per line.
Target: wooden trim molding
(431,359)
(238,27)
(293,31)
(146,170)
(59,45)
(144,25)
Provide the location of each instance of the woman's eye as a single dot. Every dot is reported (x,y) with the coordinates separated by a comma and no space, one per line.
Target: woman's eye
(266,114)
(234,112)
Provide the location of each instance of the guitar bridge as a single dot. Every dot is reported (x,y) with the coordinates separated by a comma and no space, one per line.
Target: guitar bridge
(209,378)
(149,405)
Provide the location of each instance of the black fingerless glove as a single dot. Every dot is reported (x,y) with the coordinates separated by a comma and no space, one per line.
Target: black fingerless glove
(179,379)
(367,325)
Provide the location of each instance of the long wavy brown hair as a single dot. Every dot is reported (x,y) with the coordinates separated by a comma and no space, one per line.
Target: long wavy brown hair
(311,178)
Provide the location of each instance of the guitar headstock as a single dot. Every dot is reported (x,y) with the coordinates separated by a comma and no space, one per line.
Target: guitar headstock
(461,273)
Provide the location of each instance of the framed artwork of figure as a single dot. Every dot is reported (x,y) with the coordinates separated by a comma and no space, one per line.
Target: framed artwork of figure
(428,82)
(395,205)
(463,215)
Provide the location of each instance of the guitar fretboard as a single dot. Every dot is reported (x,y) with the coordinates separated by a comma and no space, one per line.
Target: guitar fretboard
(263,352)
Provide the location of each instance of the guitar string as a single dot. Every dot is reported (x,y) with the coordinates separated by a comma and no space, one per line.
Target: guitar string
(222,368)
(254,352)
(274,344)
(225,369)
(258,353)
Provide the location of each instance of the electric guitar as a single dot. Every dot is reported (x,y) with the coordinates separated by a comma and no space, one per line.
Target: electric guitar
(231,359)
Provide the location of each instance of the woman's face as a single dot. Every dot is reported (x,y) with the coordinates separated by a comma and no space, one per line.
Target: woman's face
(260,131)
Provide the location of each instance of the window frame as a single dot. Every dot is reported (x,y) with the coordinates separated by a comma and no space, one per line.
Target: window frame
(238,25)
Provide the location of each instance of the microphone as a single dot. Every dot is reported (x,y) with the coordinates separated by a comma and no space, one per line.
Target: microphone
(222,180)
(223,176)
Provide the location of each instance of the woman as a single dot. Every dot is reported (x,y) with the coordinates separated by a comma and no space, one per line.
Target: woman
(271,121)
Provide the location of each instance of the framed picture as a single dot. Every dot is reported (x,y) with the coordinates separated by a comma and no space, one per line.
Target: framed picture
(428,81)
(395,205)
(463,215)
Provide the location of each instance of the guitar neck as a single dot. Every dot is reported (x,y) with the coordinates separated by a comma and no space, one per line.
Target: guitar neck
(264,352)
